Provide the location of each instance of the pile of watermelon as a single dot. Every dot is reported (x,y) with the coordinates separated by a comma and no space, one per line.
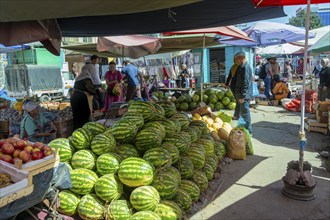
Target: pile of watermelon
(153,163)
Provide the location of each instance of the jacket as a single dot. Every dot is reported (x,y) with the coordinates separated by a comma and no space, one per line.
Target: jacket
(243,88)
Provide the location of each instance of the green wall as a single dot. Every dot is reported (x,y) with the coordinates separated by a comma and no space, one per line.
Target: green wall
(39,56)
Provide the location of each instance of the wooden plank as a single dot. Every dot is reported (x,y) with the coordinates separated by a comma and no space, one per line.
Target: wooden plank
(17,195)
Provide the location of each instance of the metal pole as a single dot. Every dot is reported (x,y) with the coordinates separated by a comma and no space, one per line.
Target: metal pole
(25,74)
(302,121)
(202,69)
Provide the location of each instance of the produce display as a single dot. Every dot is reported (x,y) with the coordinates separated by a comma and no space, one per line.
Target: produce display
(153,163)
(5,180)
(14,151)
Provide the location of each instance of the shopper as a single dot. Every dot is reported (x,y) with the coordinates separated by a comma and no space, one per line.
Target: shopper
(82,97)
(317,69)
(268,78)
(35,127)
(243,89)
(300,68)
(280,90)
(113,78)
(287,74)
(324,86)
(231,83)
(134,80)
(183,76)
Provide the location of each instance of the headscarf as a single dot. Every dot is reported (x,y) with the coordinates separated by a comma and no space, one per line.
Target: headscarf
(326,61)
(29,106)
(85,73)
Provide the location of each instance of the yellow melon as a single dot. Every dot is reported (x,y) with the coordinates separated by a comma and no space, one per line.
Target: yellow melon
(196,115)
(224,133)
(209,121)
(216,126)
(215,136)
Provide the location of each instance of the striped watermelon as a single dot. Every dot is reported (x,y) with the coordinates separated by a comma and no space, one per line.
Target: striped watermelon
(124,130)
(146,109)
(119,209)
(197,156)
(186,167)
(176,123)
(158,157)
(174,172)
(83,159)
(81,138)
(219,150)
(148,138)
(107,164)
(90,207)
(213,161)
(145,198)
(191,188)
(182,198)
(160,112)
(68,203)
(135,117)
(207,136)
(200,179)
(169,126)
(197,130)
(208,145)
(64,150)
(157,126)
(145,215)
(201,125)
(170,206)
(166,185)
(94,127)
(174,152)
(169,108)
(183,119)
(166,212)
(179,140)
(192,132)
(209,171)
(135,172)
(103,143)
(83,181)
(127,150)
(108,188)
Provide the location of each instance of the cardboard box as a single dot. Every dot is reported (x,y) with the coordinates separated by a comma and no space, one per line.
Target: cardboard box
(322,116)
(323,106)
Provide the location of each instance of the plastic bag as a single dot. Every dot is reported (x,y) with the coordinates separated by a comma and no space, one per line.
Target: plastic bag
(248,139)
(237,145)
(255,91)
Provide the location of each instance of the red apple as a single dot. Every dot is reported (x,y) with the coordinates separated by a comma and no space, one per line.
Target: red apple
(11,140)
(46,148)
(17,160)
(2,142)
(37,155)
(38,145)
(20,145)
(28,149)
(8,149)
(16,153)
(6,158)
(25,156)
(48,152)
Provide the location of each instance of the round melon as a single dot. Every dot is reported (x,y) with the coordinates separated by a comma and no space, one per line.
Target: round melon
(160,112)
(64,150)
(192,132)
(124,130)
(157,126)
(232,105)
(218,106)
(200,179)
(145,215)
(174,152)
(183,119)
(184,106)
(225,101)
(197,131)
(213,161)
(158,157)
(181,99)
(107,164)
(81,138)
(83,181)
(174,172)
(148,138)
(68,202)
(83,159)
(176,123)
(186,167)
(127,150)
(213,99)
(166,185)
(136,118)
(108,188)
(135,172)
(165,209)
(169,126)
(229,93)
(103,143)
(191,188)
(193,105)
(145,198)
(209,171)
(146,109)
(119,209)
(201,125)
(196,98)
(95,128)
(183,199)
(220,95)
(169,108)
(197,155)
(90,207)
(208,145)
(180,140)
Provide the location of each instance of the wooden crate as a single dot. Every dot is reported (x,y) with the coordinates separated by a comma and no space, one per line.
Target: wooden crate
(4,126)
(312,125)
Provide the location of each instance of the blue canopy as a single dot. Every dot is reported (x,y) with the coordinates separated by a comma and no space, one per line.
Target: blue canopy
(4,49)
(3,94)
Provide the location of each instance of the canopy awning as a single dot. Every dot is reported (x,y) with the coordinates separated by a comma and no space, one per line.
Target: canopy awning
(262,3)
(321,46)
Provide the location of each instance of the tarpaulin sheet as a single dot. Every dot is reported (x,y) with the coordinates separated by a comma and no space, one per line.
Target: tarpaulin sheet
(39,77)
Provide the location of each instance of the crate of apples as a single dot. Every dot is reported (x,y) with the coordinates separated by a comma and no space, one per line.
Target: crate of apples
(13,150)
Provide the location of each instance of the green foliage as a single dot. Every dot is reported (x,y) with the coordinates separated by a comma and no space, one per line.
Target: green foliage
(300,20)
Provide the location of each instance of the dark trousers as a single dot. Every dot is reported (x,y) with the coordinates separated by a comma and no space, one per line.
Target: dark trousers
(133,90)
(80,109)
(98,102)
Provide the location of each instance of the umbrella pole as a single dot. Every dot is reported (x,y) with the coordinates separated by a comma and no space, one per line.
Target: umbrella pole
(302,121)
(202,72)
(25,76)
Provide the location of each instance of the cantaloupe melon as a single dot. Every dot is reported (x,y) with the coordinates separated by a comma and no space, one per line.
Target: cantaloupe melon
(224,133)
(215,136)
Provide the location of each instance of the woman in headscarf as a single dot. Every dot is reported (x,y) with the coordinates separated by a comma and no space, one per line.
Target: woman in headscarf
(324,86)
(113,77)
(35,127)
(82,98)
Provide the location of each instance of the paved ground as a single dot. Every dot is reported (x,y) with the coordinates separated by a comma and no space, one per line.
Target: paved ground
(251,189)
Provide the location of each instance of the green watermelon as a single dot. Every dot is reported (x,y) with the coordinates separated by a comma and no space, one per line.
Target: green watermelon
(145,198)
(183,199)
(191,188)
(165,209)
(136,118)
(107,164)
(68,203)
(166,185)
(176,123)
(192,132)
(83,159)
(229,93)
(124,130)
(201,125)
(183,119)
(94,127)
(188,98)
(81,138)
(127,150)
(169,108)
(213,99)
(213,161)
(225,101)
(205,98)
(146,109)
(219,150)
(64,150)
(157,126)
(197,131)
(184,106)
(196,98)
(83,181)
(169,126)
(232,105)
(145,215)
(160,112)
(218,106)
(174,152)
(192,105)
(119,209)
(209,171)
(220,95)
(135,172)
(197,156)
(208,145)
(148,138)
(174,172)
(181,99)
(108,188)
(158,157)
(160,94)
(200,179)
(90,207)
(186,167)
(103,143)
(179,141)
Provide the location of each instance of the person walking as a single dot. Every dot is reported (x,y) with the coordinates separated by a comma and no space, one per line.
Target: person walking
(324,86)
(287,71)
(317,69)
(243,89)
(134,80)
(112,78)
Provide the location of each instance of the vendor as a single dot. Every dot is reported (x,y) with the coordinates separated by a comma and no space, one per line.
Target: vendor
(280,89)
(183,76)
(82,98)
(35,127)
(324,86)
(113,77)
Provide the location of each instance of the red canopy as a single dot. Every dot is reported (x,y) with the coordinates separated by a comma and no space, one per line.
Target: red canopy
(261,3)
(225,30)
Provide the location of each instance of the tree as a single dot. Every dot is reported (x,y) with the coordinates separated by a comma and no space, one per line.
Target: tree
(300,20)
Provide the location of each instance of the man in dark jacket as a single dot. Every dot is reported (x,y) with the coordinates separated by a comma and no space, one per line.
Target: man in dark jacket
(243,89)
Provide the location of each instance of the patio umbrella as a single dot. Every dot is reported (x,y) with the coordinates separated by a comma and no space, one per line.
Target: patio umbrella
(321,46)
(133,46)
(281,49)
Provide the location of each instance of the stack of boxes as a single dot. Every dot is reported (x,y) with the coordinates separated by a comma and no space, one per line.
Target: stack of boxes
(322,112)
